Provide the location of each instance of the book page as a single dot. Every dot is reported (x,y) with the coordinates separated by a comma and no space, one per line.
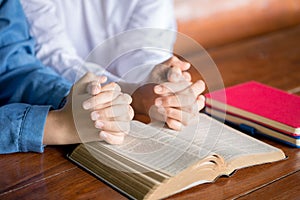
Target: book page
(231,144)
(171,151)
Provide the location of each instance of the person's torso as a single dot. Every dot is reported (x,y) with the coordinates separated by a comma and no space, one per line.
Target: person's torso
(89,23)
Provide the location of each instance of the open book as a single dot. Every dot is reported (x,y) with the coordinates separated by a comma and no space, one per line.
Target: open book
(155,162)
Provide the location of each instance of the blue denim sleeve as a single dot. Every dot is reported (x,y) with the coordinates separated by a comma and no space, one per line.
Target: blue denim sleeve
(27,88)
(22,127)
(23,78)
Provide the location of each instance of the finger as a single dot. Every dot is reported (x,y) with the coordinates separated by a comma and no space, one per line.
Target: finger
(101,98)
(120,100)
(129,116)
(111,86)
(113,126)
(196,88)
(184,65)
(175,74)
(182,98)
(185,102)
(177,114)
(200,102)
(174,124)
(111,112)
(171,61)
(196,107)
(176,62)
(94,87)
(155,115)
(170,88)
(187,76)
(111,138)
(80,87)
(175,100)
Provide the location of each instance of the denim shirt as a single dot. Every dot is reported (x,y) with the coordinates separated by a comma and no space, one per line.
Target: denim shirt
(28,90)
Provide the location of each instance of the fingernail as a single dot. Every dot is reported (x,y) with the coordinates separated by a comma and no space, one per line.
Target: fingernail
(95,115)
(177,124)
(158,88)
(202,97)
(202,83)
(86,105)
(102,135)
(158,102)
(99,124)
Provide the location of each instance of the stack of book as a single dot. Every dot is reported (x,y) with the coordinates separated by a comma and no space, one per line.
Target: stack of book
(258,109)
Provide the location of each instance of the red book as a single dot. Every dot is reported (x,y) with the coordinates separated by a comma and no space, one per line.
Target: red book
(261,104)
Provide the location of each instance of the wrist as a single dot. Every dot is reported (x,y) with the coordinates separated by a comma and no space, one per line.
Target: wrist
(143,98)
(59,129)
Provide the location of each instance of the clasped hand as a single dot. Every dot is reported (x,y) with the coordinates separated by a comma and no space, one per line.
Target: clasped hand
(172,96)
(109,109)
(179,100)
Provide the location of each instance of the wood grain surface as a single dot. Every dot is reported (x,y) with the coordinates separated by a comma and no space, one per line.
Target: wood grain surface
(272,59)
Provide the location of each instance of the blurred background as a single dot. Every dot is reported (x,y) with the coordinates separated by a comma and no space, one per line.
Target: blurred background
(247,39)
(218,22)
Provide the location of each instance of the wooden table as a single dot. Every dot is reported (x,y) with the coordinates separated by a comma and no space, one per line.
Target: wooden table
(273,59)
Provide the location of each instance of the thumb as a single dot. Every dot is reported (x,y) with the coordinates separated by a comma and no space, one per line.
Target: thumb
(175,74)
(88,83)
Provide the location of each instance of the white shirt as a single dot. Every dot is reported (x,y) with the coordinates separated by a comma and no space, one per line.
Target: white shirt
(66,31)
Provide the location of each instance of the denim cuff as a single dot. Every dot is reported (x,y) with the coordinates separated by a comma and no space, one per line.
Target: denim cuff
(32,129)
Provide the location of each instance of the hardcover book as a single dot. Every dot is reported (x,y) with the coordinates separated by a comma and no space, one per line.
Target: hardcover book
(155,162)
(267,110)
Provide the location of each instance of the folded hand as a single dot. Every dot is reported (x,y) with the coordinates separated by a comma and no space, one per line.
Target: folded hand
(110,110)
